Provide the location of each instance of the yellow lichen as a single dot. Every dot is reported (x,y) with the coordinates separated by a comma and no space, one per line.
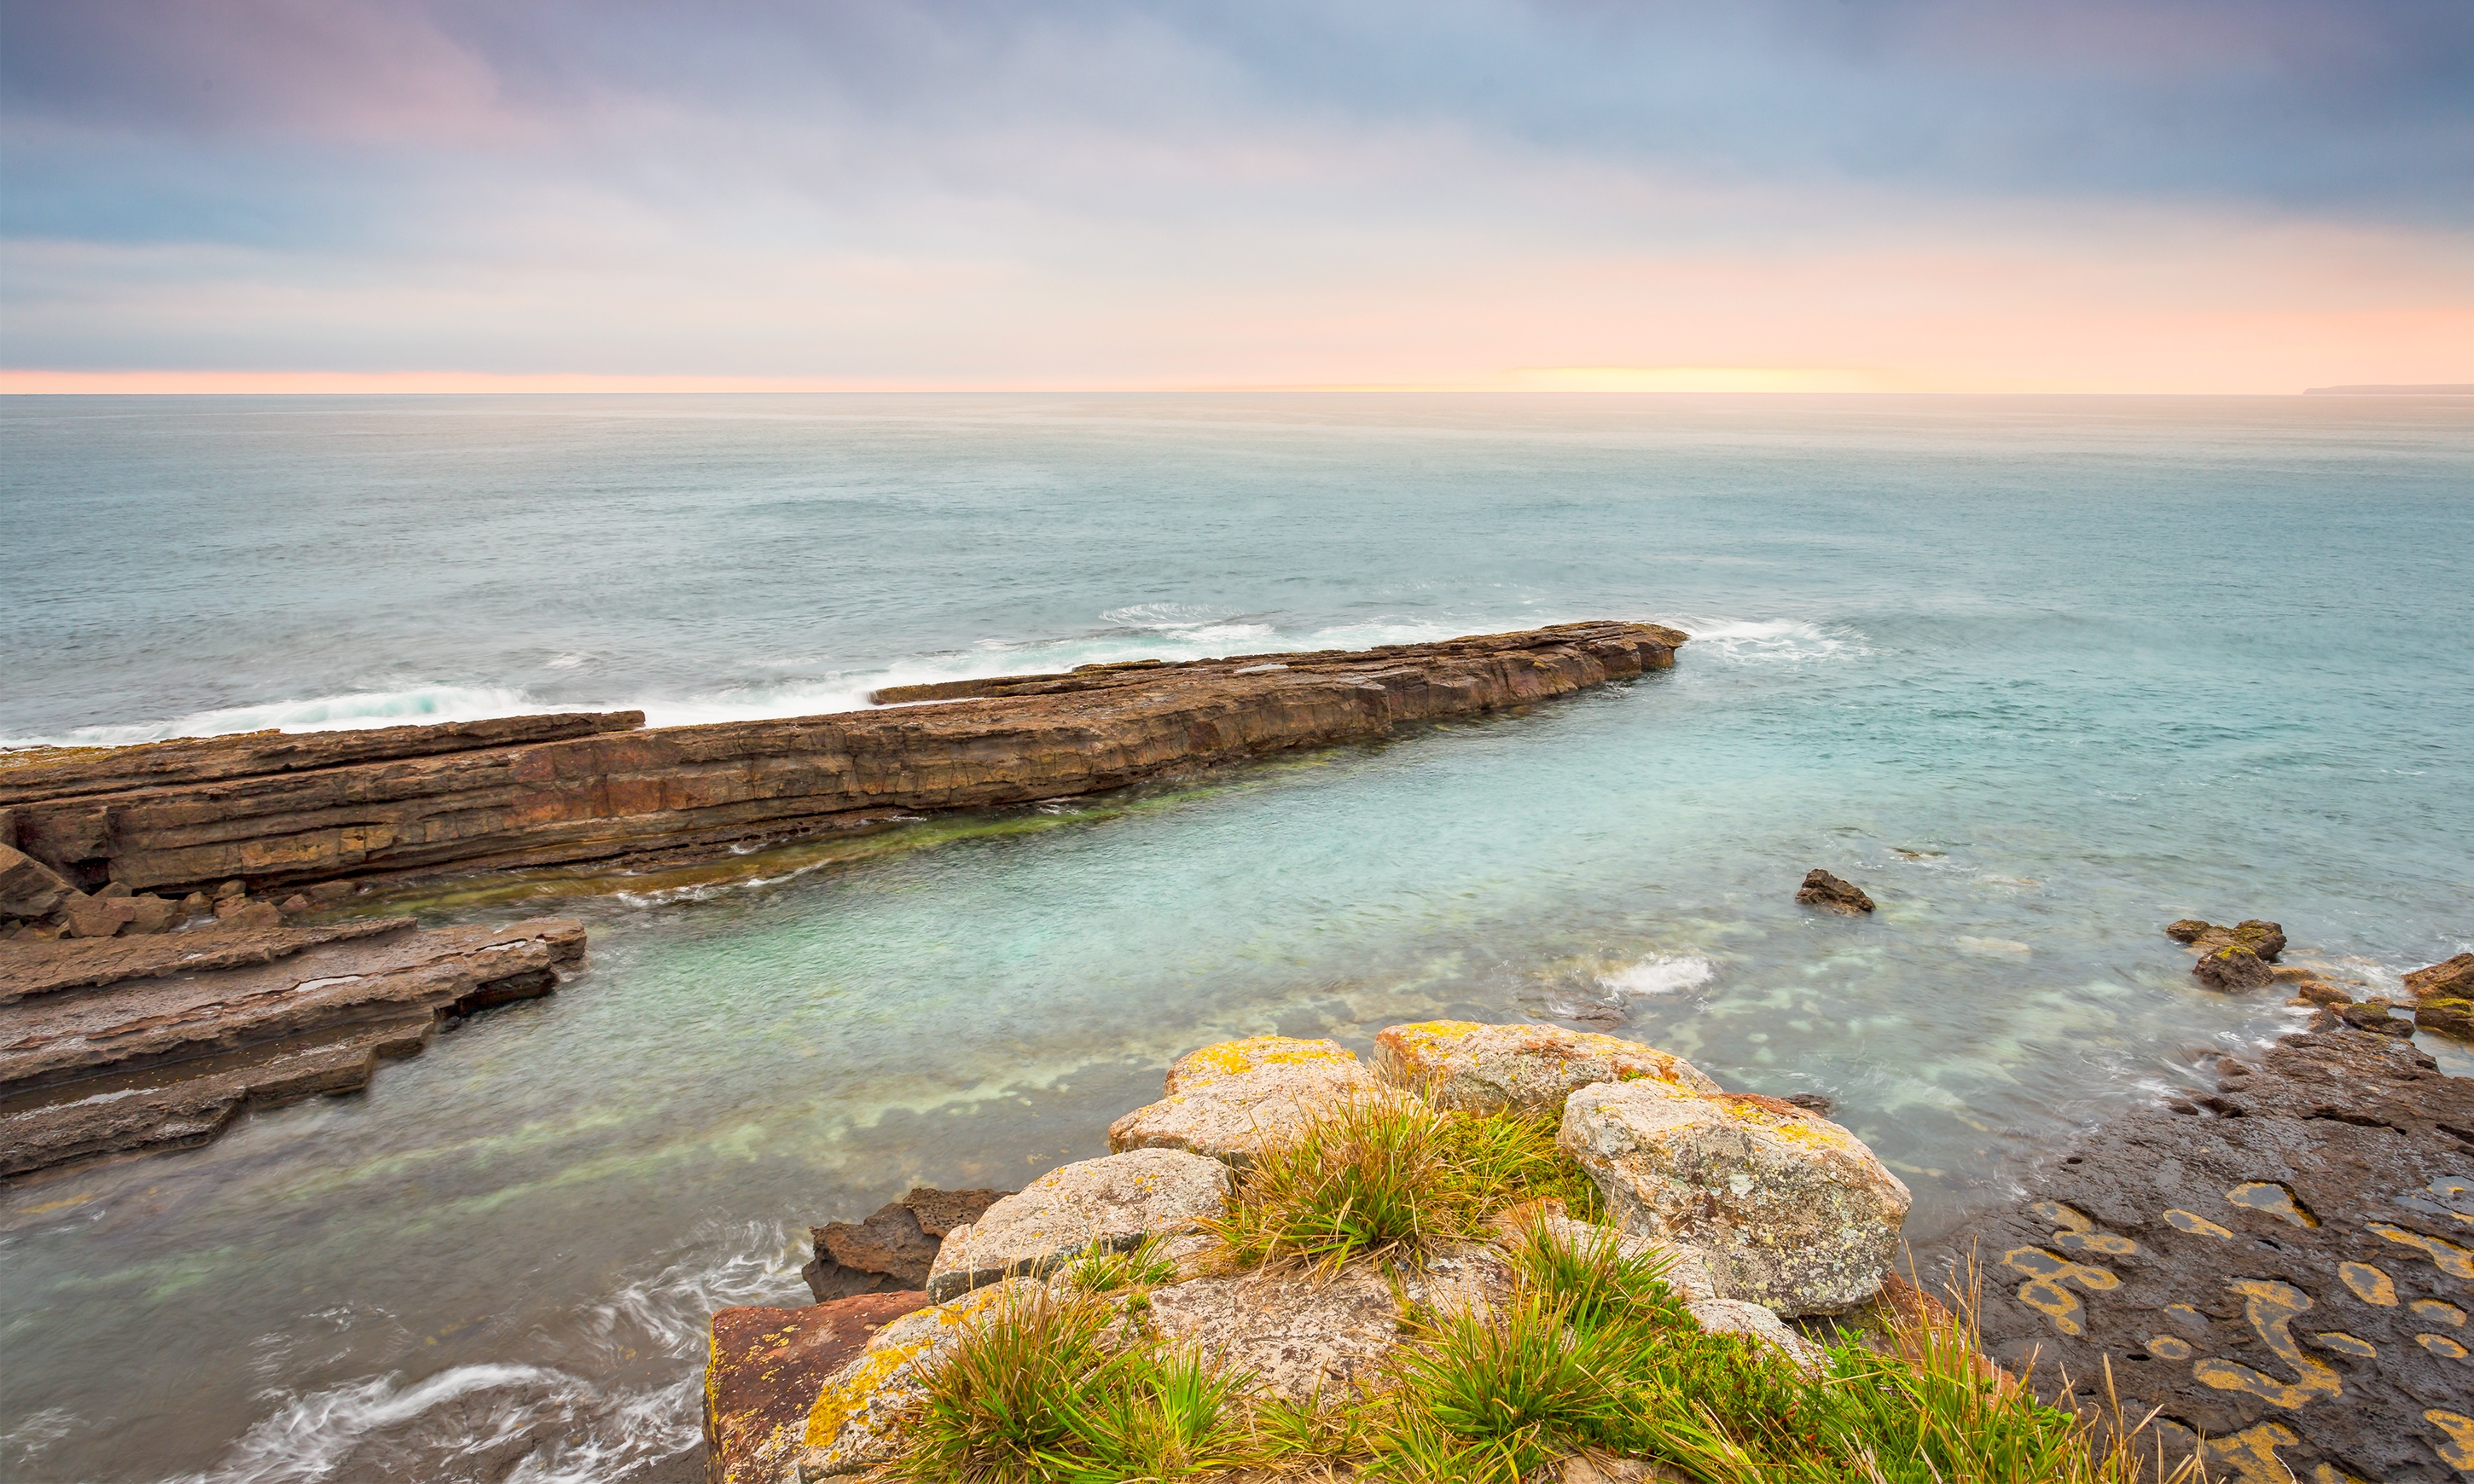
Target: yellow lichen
(1234,1058)
(842,1400)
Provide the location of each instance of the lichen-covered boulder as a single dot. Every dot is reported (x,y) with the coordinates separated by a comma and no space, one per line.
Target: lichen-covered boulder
(2448,979)
(1109,1204)
(1229,1101)
(1790,1210)
(2231,968)
(2264,940)
(2447,1017)
(765,1368)
(1479,1068)
(2369,1014)
(854,1421)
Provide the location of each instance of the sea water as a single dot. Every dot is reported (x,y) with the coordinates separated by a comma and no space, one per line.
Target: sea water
(2040,675)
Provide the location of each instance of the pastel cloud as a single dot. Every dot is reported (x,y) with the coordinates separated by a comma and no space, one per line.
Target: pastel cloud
(2165,197)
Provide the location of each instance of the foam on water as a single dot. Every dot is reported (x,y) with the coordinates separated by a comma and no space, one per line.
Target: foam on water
(1660,975)
(357,711)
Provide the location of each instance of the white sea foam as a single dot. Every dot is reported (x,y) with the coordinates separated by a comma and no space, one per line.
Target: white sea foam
(1774,641)
(1661,974)
(352,711)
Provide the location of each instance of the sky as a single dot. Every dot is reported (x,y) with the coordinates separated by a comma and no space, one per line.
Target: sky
(2176,195)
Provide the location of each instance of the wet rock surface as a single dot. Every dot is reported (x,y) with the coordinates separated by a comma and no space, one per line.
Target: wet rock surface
(763,1375)
(894,1248)
(278,812)
(1821,889)
(115,1046)
(2283,1265)
(2450,979)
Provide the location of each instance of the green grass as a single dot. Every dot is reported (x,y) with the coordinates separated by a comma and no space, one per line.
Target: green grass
(1591,1352)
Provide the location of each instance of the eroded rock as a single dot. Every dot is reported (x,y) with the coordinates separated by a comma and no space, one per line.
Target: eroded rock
(29,889)
(1533,1069)
(1821,889)
(851,1423)
(2264,940)
(1790,1210)
(2369,1014)
(1109,1204)
(765,1371)
(2446,1018)
(2231,968)
(1229,1100)
(2449,979)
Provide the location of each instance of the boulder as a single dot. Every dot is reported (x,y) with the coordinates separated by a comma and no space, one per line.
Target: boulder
(2264,940)
(2449,979)
(2370,1015)
(2446,1017)
(1789,1209)
(2231,968)
(29,889)
(853,1418)
(195,904)
(893,1249)
(766,1369)
(1110,1204)
(326,892)
(1228,1101)
(152,913)
(1821,889)
(2316,991)
(245,913)
(1478,1069)
(940,1211)
(99,917)
(295,904)
(1752,1321)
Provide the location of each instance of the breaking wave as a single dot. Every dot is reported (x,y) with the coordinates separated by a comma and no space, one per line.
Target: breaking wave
(352,711)
(1661,974)
(1774,640)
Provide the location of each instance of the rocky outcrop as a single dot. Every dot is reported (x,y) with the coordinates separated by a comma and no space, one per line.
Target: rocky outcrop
(116,1045)
(1231,1100)
(2449,979)
(762,1375)
(1109,1204)
(1821,889)
(2231,968)
(2369,1014)
(1789,1209)
(2231,959)
(2281,1263)
(1478,1069)
(857,1411)
(892,1249)
(2446,1018)
(276,811)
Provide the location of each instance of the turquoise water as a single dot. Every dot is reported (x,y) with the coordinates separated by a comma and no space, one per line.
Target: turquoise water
(2042,675)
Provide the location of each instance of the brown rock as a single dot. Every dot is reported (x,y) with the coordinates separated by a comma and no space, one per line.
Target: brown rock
(195,902)
(2370,1015)
(216,1022)
(2449,979)
(111,890)
(99,917)
(228,902)
(2264,940)
(27,888)
(152,914)
(249,914)
(230,889)
(766,1366)
(2231,968)
(2314,991)
(2446,1017)
(1821,889)
(940,1211)
(889,1242)
(2186,929)
(330,891)
(281,811)
(295,904)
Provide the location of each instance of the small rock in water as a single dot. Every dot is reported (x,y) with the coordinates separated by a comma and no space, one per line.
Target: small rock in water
(1821,889)
(2316,991)
(1812,1100)
(2450,979)
(2264,940)
(2370,1015)
(889,1242)
(2231,968)
(245,913)
(2447,1017)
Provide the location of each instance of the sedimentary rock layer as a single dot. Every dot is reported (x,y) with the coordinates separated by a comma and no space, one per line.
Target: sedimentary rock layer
(116,1045)
(2283,1264)
(275,811)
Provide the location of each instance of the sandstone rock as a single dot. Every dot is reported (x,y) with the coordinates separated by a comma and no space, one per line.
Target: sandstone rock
(112,889)
(1811,1102)
(1112,1203)
(2314,992)
(1228,1100)
(2264,940)
(851,1423)
(99,917)
(295,904)
(228,903)
(1735,1316)
(280,812)
(940,1211)
(2370,1015)
(1477,1068)
(1791,1211)
(765,1368)
(195,902)
(888,1242)
(122,1044)
(248,914)
(2449,979)
(230,889)
(2186,929)
(151,915)
(2446,1017)
(2252,1267)
(1821,889)
(29,889)
(2231,968)
(330,892)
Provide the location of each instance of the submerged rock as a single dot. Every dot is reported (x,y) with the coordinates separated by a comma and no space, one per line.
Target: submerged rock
(2369,1014)
(1791,1211)
(1109,1204)
(2449,979)
(763,1372)
(2261,1265)
(1821,889)
(1230,1100)
(1479,1068)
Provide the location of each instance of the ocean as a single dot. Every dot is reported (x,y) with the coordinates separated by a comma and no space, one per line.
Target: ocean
(2040,674)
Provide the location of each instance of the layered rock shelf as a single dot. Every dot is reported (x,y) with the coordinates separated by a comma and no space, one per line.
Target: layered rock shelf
(279,812)
(121,1046)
